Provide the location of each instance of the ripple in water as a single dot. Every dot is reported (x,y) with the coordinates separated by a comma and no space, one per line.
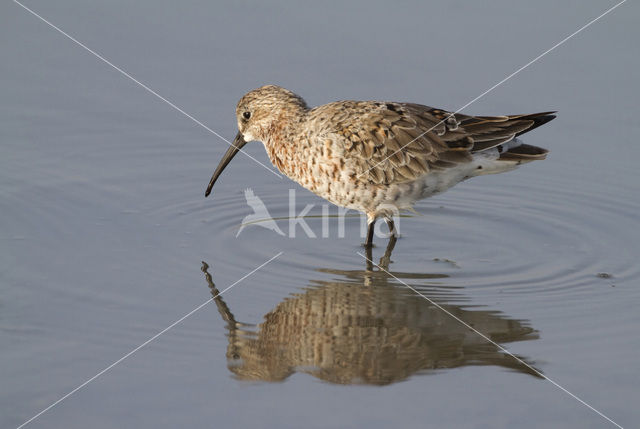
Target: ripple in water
(547,237)
(553,242)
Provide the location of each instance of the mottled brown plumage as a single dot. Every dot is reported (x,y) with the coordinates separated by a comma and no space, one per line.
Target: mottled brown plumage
(400,142)
(364,328)
(379,157)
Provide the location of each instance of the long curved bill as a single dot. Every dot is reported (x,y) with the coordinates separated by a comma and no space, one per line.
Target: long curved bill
(237,144)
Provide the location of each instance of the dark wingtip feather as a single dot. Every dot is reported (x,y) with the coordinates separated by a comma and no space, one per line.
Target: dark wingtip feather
(538,119)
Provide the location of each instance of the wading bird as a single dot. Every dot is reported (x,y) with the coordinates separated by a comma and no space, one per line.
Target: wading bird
(378,157)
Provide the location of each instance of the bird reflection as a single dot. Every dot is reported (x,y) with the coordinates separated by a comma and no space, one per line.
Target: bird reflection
(365,328)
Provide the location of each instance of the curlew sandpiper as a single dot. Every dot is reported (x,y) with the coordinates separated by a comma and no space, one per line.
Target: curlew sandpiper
(378,157)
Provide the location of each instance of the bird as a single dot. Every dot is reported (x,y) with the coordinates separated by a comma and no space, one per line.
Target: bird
(378,157)
(260,214)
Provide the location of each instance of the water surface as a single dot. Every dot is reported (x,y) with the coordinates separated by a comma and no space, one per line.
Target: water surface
(104,226)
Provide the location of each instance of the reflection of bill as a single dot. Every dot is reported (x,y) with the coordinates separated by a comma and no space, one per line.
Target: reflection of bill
(364,329)
(260,214)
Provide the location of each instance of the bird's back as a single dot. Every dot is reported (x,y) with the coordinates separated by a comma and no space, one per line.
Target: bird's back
(388,142)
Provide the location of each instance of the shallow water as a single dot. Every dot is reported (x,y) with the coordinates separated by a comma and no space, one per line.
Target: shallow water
(107,238)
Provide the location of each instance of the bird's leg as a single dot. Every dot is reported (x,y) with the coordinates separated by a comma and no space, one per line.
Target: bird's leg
(385,260)
(369,242)
(369,260)
(393,237)
(392,227)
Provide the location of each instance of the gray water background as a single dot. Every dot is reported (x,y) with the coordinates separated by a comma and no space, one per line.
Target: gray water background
(104,226)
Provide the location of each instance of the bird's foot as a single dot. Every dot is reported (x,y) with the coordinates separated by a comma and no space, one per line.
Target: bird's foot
(385,261)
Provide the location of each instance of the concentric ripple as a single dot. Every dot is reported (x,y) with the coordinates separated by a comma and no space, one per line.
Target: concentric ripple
(548,237)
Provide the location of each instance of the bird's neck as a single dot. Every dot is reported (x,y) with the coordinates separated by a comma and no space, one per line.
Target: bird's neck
(283,143)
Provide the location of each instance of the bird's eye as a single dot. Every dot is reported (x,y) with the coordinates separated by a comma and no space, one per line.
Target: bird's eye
(246,115)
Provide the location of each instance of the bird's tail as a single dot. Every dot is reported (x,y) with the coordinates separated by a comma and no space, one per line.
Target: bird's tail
(523,153)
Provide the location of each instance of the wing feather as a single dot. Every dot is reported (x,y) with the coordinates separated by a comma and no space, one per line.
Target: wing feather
(387,142)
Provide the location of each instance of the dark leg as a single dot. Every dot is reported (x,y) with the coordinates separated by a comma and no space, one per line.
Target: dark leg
(369,253)
(369,241)
(393,237)
(392,228)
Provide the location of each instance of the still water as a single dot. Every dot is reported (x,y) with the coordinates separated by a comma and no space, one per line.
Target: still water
(107,239)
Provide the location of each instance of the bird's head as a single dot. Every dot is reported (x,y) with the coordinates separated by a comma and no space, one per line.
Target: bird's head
(258,113)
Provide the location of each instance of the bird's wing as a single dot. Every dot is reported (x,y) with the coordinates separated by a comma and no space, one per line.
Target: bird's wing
(388,143)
